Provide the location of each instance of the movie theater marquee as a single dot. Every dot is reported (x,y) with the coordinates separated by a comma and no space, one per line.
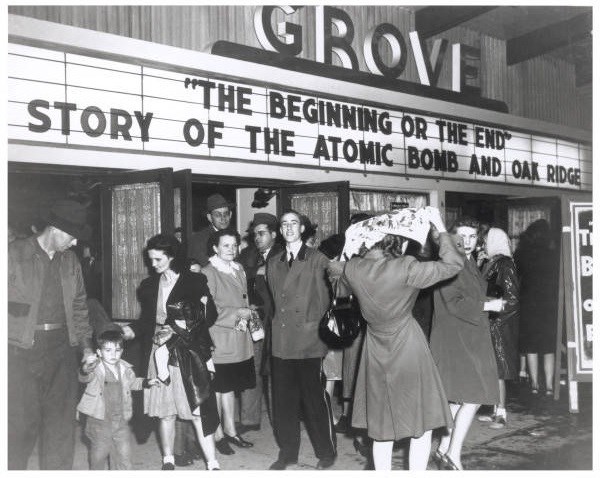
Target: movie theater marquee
(69,99)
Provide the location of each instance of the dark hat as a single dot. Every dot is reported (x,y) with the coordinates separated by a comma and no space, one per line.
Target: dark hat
(264,218)
(69,216)
(215,201)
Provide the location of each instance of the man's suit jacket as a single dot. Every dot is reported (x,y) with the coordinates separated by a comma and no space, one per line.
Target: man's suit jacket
(301,298)
(198,246)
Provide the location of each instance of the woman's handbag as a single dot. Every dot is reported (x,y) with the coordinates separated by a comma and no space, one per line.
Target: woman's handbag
(341,323)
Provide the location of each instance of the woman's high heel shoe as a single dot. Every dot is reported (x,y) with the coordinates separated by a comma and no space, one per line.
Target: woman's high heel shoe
(440,459)
(450,465)
(237,440)
(223,447)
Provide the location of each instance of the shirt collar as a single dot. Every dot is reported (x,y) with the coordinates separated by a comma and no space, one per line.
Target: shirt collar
(223,266)
(169,276)
(297,248)
(41,250)
(294,248)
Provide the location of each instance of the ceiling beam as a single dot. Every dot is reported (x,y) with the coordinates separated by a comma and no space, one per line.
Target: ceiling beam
(430,21)
(545,39)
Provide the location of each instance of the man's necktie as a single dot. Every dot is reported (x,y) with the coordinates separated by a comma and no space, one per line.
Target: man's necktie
(291,259)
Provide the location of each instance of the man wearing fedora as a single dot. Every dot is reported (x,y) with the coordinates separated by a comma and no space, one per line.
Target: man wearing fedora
(263,231)
(219,212)
(48,327)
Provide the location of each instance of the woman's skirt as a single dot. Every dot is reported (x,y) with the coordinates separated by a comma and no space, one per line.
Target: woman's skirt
(167,399)
(234,377)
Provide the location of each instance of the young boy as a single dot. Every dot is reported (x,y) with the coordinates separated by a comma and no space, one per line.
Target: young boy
(107,402)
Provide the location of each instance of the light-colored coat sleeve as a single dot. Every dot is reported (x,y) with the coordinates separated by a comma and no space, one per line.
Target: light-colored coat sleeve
(227,299)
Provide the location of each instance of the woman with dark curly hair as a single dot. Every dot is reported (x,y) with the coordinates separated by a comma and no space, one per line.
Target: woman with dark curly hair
(461,346)
(172,283)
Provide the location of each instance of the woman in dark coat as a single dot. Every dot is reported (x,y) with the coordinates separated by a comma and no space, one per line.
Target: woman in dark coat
(537,265)
(171,284)
(398,391)
(461,346)
(500,273)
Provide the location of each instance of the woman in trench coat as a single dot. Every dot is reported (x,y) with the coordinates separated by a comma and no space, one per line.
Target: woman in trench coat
(461,345)
(398,391)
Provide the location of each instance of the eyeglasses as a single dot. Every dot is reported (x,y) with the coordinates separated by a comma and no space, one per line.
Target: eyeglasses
(221,215)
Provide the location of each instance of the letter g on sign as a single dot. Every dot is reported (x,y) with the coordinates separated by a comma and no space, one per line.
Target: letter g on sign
(290,32)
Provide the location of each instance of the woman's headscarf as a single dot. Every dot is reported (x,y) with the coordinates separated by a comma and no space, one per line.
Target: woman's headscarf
(409,222)
(497,242)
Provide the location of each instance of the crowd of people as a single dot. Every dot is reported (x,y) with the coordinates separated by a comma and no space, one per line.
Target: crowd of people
(220,329)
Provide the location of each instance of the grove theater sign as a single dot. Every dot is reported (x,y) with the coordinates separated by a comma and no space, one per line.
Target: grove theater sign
(68,99)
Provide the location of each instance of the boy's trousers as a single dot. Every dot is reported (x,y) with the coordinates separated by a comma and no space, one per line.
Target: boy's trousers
(112,438)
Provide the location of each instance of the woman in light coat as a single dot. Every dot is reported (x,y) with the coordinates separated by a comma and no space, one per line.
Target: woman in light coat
(398,391)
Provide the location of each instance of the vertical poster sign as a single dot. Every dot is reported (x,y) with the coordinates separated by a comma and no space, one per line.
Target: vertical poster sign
(582,268)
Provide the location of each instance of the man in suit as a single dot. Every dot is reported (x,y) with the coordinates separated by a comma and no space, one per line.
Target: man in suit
(219,212)
(296,278)
(263,229)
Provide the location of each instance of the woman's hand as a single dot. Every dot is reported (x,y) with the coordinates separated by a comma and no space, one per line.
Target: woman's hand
(494,305)
(163,334)
(244,313)
(435,218)
(128,333)
(481,257)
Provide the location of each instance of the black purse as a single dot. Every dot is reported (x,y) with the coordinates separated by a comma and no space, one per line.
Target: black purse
(341,323)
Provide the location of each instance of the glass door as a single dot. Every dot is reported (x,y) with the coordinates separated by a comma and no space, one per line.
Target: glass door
(134,207)
(325,204)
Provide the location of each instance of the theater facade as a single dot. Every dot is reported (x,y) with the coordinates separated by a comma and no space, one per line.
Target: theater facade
(329,110)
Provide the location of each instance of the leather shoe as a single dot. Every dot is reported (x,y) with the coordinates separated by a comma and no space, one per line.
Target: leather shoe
(450,465)
(326,462)
(183,460)
(223,447)
(486,418)
(282,464)
(237,440)
(361,447)
(247,428)
(342,425)
(168,466)
(195,452)
(440,459)
(498,422)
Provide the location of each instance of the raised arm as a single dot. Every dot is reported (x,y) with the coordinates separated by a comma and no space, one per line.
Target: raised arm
(425,274)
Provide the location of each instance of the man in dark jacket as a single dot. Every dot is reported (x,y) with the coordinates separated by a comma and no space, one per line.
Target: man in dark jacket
(219,212)
(47,326)
(296,278)
(254,258)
